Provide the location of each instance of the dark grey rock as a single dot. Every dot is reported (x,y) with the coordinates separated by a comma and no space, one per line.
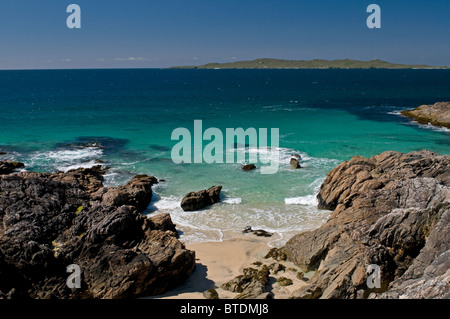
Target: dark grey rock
(7,167)
(50,221)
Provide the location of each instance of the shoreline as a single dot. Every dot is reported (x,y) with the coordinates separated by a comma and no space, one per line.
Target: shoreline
(372,199)
(219,262)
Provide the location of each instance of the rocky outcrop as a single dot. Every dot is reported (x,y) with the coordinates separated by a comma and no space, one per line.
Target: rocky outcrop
(437,114)
(429,274)
(88,179)
(390,210)
(8,167)
(198,200)
(51,221)
(135,193)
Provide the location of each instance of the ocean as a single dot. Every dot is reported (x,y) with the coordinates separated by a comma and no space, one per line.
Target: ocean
(64,119)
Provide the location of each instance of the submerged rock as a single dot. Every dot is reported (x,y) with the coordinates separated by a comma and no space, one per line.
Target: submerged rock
(248,167)
(198,200)
(51,221)
(390,210)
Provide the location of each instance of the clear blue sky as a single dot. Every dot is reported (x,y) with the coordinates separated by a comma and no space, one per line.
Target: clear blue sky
(161,33)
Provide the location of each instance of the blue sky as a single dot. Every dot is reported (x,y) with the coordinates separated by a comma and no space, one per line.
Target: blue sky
(162,33)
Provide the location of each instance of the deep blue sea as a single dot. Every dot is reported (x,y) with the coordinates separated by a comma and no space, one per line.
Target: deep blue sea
(64,119)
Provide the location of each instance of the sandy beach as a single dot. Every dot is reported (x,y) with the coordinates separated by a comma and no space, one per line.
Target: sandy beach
(219,262)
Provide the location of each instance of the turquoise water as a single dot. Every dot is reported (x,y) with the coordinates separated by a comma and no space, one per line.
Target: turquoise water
(58,120)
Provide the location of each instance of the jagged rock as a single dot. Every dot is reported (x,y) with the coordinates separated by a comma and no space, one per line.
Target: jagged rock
(385,211)
(437,114)
(198,200)
(3,153)
(50,221)
(429,274)
(163,222)
(248,167)
(89,179)
(7,167)
(137,192)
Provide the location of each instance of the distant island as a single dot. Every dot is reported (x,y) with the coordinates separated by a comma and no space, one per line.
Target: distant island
(310,64)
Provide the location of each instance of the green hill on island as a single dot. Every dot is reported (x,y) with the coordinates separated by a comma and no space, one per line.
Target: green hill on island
(310,64)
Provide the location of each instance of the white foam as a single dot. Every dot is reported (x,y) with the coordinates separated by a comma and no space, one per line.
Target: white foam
(65,160)
(212,223)
(429,127)
(65,168)
(167,203)
(435,128)
(280,155)
(425,126)
(73,155)
(10,156)
(272,106)
(316,184)
(234,201)
(130,163)
(284,218)
(309,200)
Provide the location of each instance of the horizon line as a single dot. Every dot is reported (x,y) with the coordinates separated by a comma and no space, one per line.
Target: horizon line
(209,69)
(420,66)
